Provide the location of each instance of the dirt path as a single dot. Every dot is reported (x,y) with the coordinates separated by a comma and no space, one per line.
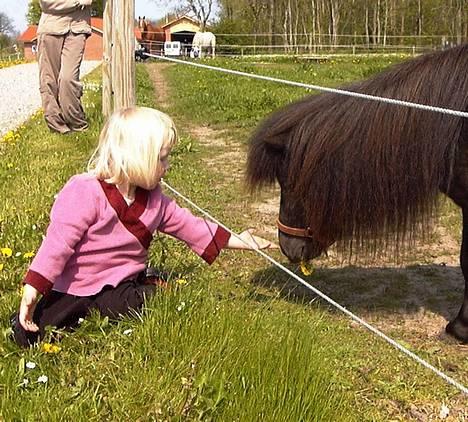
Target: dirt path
(412,301)
(159,83)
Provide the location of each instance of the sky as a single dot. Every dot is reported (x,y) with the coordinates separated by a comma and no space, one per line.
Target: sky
(16,10)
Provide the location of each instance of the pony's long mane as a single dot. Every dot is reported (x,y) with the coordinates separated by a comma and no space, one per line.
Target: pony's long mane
(368,172)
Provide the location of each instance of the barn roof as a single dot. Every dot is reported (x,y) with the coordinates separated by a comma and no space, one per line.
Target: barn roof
(173,22)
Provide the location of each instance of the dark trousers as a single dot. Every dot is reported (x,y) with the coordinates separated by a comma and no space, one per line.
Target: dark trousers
(62,310)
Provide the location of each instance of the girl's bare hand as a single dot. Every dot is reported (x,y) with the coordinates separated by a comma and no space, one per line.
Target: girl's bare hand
(27,307)
(249,241)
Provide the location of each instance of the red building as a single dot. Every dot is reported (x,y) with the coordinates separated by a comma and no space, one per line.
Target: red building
(93,49)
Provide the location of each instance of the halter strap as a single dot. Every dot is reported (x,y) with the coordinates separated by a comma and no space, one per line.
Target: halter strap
(293,230)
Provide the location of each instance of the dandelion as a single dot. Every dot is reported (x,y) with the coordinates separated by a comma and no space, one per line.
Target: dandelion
(1,267)
(43,379)
(28,254)
(30,365)
(51,348)
(128,332)
(6,252)
(9,137)
(306,271)
(181,281)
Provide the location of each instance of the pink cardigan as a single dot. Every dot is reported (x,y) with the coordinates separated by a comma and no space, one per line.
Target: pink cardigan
(95,239)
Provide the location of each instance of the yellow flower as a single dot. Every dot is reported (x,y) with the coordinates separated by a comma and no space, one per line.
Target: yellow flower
(306,271)
(1,267)
(28,254)
(181,281)
(7,252)
(51,348)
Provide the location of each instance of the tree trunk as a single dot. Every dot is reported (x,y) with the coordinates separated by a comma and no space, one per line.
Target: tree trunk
(271,24)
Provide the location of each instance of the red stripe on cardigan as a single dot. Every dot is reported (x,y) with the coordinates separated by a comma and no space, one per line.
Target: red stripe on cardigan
(129,215)
(219,241)
(39,282)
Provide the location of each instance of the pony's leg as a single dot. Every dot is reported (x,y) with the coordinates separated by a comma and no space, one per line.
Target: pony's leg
(459,326)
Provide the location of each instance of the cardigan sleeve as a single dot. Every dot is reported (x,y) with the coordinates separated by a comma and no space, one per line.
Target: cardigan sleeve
(205,238)
(59,6)
(74,210)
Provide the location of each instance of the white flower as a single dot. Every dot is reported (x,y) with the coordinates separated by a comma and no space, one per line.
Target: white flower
(444,411)
(181,306)
(43,379)
(80,320)
(25,382)
(30,365)
(128,332)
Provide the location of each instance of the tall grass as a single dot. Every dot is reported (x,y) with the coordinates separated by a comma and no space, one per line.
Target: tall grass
(192,354)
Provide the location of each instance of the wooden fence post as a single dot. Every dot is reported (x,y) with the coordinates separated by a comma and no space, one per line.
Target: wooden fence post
(123,54)
(107,91)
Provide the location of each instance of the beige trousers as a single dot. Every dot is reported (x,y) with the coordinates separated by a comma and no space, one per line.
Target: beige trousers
(59,59)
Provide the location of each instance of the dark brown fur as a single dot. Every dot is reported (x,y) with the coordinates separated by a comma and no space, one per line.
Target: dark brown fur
(369,172)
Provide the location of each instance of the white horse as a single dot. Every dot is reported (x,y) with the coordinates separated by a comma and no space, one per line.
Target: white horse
(204,40)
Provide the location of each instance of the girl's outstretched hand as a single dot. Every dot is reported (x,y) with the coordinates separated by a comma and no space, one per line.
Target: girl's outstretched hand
(28,304)
(249,241)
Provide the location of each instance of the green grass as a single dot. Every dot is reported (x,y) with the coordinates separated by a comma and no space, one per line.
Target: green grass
(219,98)
(212,349)
(238,340)
(388,297)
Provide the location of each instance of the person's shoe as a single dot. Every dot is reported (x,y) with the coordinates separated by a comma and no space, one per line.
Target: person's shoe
(81,128)
(61,131)
(156,277)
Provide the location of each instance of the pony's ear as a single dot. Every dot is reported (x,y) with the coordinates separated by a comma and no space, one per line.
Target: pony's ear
(144,17)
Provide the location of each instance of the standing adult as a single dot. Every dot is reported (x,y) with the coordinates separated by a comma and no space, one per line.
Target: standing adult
(62,32)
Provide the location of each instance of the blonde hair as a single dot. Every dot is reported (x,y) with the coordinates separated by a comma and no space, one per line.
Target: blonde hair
(130,144)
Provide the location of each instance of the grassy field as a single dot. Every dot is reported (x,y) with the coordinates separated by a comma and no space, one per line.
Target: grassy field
(237,340)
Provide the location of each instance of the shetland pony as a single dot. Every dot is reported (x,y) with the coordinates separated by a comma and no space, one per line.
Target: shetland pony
(367,174)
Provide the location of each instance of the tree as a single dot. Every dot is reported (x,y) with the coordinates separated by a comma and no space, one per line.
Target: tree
(97,8)
(6,30)
(34,12)
(202,9)
(6,25)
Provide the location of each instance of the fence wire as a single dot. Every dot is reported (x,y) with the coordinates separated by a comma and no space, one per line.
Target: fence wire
(341,308)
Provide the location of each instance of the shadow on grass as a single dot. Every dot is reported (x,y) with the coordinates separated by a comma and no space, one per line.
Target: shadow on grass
(374,290)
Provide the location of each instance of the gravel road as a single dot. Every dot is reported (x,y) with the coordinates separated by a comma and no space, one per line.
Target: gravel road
(19,93)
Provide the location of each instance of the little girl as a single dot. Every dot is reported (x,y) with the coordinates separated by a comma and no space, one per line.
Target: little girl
(101,225)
